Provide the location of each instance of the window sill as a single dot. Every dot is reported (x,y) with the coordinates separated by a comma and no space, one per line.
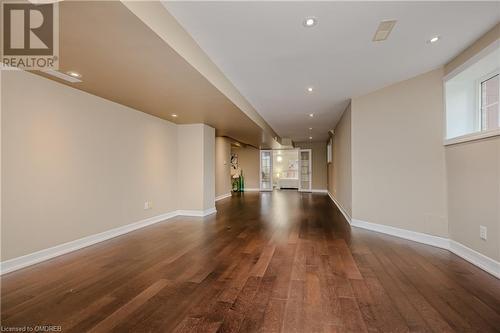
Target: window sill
(472,137)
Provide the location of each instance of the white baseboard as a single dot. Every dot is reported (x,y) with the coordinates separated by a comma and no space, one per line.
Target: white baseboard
(436,241)
(339,206)
(55,251)
(480,260)
(319,191)
(14,264)
(222,196)
(197,213)
(485,263)
(258,189)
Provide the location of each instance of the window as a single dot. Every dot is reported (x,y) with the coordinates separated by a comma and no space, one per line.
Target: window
(490,112)
(472,99)
(329,151)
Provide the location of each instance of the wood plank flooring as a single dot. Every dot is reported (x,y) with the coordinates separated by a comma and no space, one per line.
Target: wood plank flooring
(266,262)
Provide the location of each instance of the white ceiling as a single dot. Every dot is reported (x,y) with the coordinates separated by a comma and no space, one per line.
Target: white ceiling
(264,49)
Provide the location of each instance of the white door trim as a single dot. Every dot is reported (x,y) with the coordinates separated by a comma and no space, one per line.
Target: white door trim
(310,170)
(260,169)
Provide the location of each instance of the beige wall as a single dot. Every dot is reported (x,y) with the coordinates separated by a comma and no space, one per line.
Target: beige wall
(74,164)
(208,187)
(222,166)
(319,167)
(189,161)
(402,174)
(340,170)
(473,171)
(1,164)
(195,165)
(398,160)
(248,159)
(329,173)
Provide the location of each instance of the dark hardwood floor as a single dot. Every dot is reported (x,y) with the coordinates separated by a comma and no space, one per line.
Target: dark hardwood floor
(280,262)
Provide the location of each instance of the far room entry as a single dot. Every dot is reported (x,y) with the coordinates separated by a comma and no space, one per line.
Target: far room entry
(285,169)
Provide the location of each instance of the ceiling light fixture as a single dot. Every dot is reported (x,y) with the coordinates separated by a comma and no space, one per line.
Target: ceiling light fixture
(310,21)
(310,138)
(311,115)
(310,89)
(310,128)
(174,115)
(74,74)
(434,39)
(63,76)
(279,158)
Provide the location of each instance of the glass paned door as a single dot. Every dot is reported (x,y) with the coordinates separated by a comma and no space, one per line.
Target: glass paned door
(266,170)
(305,170)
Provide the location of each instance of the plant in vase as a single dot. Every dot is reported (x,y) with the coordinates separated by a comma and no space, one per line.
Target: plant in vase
(242,182)
(236,182)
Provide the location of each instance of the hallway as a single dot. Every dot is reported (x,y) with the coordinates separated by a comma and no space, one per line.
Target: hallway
(282,261)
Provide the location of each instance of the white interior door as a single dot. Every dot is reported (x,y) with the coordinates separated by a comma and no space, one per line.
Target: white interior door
(305,174)
(266,170)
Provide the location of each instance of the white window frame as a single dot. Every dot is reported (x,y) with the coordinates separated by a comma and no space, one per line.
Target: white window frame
(479,133)
(479,97)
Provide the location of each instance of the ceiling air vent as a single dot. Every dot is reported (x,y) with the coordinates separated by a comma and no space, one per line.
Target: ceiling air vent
(383,30)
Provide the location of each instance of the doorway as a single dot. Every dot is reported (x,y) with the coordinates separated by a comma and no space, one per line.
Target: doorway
(284,169)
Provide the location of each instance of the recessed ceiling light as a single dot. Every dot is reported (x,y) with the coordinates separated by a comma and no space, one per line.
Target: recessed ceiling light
(310,138)
(310,89)
(310,128)
(310,21)
(174,115)
(62,76)
(74,74)
(311,115)
(434,39)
